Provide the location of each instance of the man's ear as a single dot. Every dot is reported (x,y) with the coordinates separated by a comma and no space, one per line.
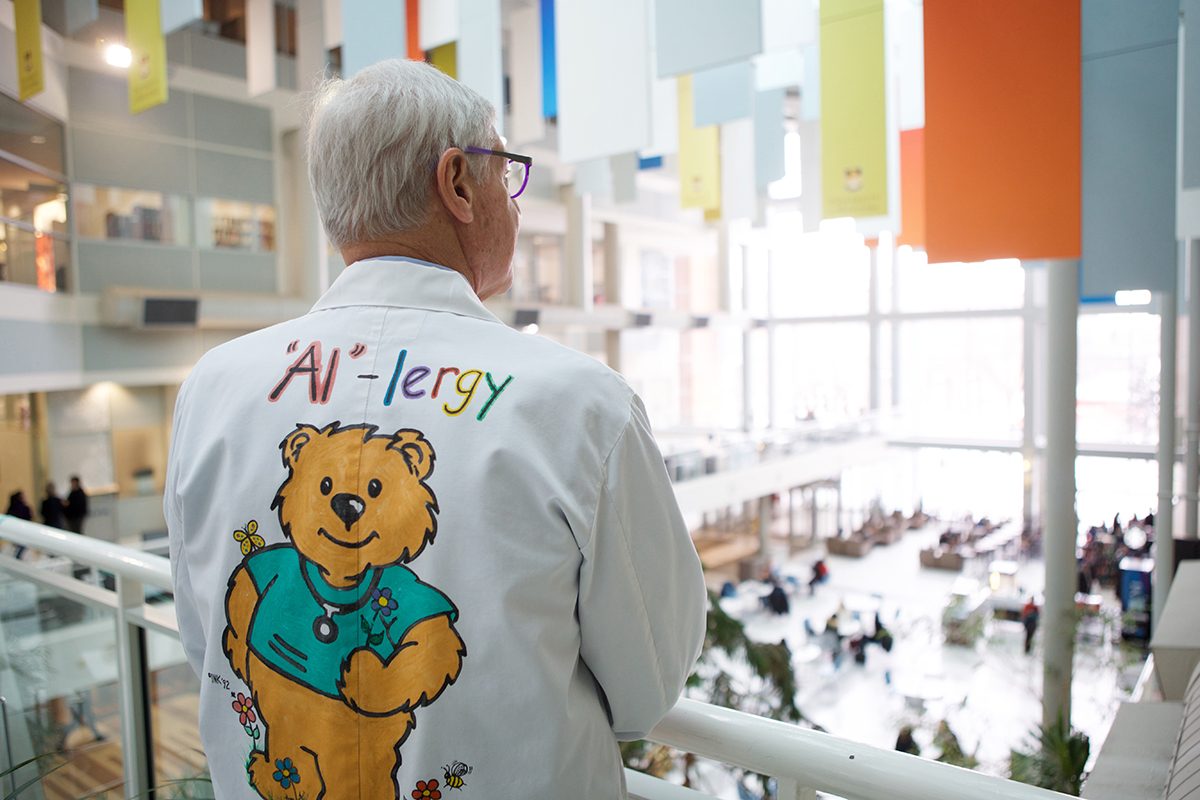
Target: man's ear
(454,185)
(295,441)
(416,450)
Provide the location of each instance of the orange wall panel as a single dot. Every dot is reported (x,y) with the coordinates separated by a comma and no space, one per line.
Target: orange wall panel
(1002,122)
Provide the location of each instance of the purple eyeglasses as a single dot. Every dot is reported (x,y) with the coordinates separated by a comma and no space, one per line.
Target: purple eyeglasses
(516,178)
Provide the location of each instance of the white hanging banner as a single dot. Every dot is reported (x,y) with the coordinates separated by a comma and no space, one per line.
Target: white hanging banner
(527,124)
(624,177)
(723,94)
(905,37)
(260,46)
(174,14)
(333,23)
(594,177)
(1187,207)
(693,35)
(479,63)
(739,200)
(788,24)
(371,33)
(310,43)
(439,21)
(602,111)
(664,118)
(782,69)
(768,138)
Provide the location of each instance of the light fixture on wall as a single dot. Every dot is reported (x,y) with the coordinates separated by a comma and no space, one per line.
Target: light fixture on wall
(118,55)
(1134,297)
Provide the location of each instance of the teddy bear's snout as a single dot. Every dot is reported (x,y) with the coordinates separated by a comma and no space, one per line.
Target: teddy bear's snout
(348,507)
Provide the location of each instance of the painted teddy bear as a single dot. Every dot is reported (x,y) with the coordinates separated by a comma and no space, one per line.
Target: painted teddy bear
(338,641)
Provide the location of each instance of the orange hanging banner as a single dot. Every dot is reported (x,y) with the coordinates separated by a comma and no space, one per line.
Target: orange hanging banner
(1002,130)
(912,188)
(413,30)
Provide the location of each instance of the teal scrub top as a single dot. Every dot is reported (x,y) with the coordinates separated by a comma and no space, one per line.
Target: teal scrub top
(374,615)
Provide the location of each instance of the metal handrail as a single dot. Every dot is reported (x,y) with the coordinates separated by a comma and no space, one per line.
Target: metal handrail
(801,760)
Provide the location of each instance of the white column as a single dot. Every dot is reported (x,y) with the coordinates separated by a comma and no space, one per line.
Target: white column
(873,323)
(1061,527)
(1164,556)
(772,407)
(1029,371)
(1192,452)
(577,256)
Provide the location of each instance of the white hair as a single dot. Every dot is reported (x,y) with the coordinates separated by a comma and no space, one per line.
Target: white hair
(373,142)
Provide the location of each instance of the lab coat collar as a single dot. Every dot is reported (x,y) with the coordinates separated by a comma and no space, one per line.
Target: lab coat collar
(404,283)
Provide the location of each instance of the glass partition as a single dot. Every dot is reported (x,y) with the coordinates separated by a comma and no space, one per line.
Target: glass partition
(106,212)
(58,678)
(234,225)
(180,768)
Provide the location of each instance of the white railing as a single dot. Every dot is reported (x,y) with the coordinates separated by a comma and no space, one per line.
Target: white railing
(803,762)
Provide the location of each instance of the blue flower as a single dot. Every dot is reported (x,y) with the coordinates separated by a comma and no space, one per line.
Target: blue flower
(285,773)
(383,602)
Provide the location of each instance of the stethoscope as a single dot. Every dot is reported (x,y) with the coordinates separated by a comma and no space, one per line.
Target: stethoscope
(324,628)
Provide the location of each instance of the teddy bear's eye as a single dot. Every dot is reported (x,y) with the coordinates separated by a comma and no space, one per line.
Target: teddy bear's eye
(374,487)
(326,485)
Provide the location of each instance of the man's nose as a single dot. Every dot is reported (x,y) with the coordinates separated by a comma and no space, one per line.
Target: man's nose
(348,507)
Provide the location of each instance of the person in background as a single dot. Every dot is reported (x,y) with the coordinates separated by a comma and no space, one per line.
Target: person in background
(77,506)
(17,507)
(905,742)
(53,509)
(1029,618)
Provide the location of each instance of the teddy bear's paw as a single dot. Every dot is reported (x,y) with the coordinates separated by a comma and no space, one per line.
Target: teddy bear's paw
(259,769)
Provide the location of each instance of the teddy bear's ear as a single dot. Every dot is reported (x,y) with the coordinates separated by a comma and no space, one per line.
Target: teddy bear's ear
(296,440)
(417,451)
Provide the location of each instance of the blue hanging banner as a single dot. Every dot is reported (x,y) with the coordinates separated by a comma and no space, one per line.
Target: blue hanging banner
(549,65)
(654,162)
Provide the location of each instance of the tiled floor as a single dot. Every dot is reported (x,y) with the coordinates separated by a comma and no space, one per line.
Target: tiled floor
(990,694)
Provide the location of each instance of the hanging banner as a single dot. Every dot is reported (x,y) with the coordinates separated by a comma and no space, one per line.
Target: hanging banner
(413,30)
(438,22)
(371,33)
(148,70)
(1187,222)
(1002,130)
(692,35)
(1129,80)
(445,58)
(912,188)
(549,61)
(28,22)
(479,57)
(260,46)
(854,125)
(602,112)
(769,164)
(699,156)
(723,94)
(527,123)
(739,199)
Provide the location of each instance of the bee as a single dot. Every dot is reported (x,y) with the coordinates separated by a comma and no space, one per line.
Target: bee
(453,774)
(249,538)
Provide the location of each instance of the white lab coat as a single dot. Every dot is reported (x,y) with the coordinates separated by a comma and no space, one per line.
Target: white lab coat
(575,588)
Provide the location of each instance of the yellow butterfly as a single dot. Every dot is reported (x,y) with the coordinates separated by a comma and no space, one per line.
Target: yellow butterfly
(249,538)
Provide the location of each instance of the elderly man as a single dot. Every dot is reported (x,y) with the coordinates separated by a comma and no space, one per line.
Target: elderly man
(414,550)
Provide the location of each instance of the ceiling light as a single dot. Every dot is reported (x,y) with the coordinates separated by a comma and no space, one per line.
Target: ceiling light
(37,139)
(118,55)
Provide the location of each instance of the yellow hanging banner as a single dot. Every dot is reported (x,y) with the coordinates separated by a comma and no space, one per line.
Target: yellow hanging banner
(445,58)
(854,159)
(699,157)
(28,19)
(148,72)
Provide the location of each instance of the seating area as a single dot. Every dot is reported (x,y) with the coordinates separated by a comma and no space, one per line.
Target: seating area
(969,539)
(878,529)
